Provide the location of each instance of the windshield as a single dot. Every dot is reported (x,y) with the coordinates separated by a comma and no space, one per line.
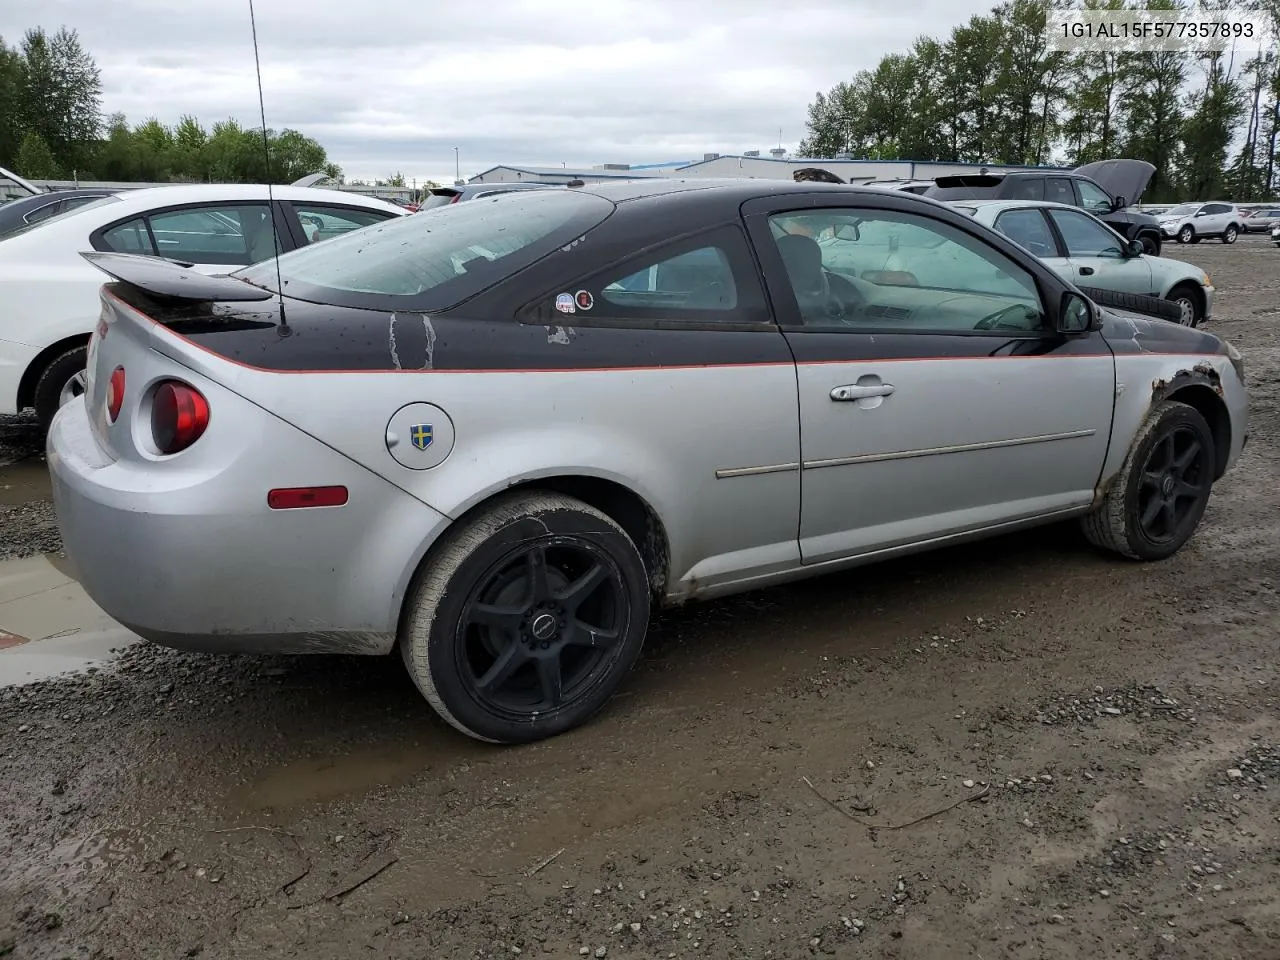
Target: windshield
(433,263)
(34,225)
(1182,210)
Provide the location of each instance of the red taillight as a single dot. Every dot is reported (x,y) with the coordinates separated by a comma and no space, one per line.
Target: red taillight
(293,498)
(115,394)
(456,198)
(179,415)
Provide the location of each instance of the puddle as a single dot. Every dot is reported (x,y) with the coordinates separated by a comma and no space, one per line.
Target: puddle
(319,779)
(24,481)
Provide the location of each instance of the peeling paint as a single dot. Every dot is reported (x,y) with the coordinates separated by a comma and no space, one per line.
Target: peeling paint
(560,335)
(391,334)
(430,361)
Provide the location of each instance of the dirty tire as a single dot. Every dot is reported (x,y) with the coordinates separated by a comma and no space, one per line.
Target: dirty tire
(1186,234)
(51,383)
(1230,234)
(1133,303)
(482,567)
(1188,305)
(1116,524)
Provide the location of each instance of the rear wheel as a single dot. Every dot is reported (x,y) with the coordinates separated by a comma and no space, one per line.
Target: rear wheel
(1156,503)
(1189,303)
(527,618)
(1230,234)
(62,381)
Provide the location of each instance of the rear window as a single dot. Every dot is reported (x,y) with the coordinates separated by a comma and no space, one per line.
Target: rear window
(432,263)
(438,198)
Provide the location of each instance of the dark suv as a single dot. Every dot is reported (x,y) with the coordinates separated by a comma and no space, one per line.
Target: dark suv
(1105,189)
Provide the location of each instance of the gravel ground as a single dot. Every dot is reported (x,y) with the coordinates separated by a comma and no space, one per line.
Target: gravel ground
(1015,749)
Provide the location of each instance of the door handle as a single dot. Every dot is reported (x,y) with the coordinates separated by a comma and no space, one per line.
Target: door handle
(856,391)
(1086,271)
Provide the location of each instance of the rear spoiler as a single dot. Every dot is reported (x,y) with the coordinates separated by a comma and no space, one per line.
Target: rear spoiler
(970,180)
(173,279)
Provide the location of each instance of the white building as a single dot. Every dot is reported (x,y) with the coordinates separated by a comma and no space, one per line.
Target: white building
(752,165)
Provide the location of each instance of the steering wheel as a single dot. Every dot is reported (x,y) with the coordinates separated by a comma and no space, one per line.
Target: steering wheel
(843,298)
(994,320)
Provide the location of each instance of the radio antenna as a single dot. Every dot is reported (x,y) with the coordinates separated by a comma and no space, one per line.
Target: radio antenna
(266,150)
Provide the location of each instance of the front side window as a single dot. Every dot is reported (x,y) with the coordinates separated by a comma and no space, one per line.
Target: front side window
(1085,237)
(866,269)
(322,222)
(1028,229)
(434,262)
(1093,198)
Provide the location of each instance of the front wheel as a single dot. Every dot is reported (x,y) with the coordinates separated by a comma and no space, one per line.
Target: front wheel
(1186,234)
(1230,234)
(1156,502)
(1150,245)
(1189,303)
(62,381)
(526,619)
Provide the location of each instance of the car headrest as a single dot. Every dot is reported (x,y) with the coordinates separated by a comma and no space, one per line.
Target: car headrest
(803,259)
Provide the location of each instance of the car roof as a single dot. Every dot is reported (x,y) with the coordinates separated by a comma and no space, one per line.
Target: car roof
(1009,204)
(70,231)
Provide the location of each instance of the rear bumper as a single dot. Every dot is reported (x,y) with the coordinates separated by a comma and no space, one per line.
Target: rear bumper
(195,559)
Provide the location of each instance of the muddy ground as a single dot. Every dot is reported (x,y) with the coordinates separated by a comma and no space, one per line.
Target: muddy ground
(1016,749)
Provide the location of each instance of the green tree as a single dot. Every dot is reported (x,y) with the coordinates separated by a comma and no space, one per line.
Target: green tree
(1151,112)
(1028,85)
(61,94)
(11,75)
(35,159)
(1098,79)
(1213,114)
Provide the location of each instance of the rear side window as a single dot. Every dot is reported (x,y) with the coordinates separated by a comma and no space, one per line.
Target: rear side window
(129,237)
(435,262)
(1028,229)
(1059,190)
(1025,188)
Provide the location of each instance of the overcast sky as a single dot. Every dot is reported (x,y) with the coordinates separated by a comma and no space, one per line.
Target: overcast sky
(396,85)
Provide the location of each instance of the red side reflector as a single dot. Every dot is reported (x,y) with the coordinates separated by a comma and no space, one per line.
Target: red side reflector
(293,498)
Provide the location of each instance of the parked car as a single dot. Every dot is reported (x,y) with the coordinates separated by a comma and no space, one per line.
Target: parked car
(1275,234)
(24,211)
(493,439)
(1193,222)
(1106,189)
(50,294)
(1261,220)
(1083,250)
(443,196)
(910,186)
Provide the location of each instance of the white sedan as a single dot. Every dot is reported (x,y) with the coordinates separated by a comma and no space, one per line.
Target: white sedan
(50,292)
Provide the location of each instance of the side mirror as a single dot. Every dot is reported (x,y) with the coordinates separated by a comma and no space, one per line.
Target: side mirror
(1136,249)
(1076,314)
(848,231)
(1119,203)
(1200,213)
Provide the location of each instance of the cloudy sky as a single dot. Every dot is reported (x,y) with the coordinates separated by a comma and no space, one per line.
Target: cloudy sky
(394,85)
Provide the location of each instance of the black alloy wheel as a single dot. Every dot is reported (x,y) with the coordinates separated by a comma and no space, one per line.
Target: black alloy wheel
(541,627)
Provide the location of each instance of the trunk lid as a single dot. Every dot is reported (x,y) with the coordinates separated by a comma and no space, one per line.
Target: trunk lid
(125,335)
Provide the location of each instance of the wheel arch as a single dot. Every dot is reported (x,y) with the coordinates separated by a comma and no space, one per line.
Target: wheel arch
(31,376)
(616,500)
(1201,390)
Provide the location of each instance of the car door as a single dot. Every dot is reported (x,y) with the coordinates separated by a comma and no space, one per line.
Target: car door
(934,398)
(216,237)
(1027,227)
(1099,257)
(1211,219)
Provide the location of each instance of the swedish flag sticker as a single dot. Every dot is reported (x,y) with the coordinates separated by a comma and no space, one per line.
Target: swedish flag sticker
(421,435)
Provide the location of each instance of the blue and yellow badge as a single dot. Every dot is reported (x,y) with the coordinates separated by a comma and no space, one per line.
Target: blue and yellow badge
(421,435)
